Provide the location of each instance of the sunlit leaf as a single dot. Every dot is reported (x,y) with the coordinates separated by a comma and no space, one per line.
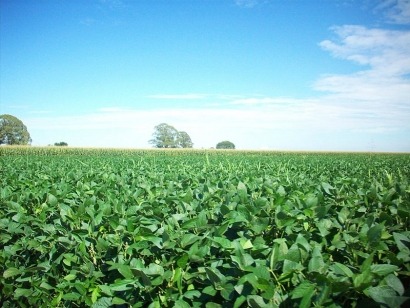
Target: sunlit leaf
(10,272)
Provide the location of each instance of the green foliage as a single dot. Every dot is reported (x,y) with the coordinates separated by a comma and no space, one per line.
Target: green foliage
(225,145)
(166,136)
(13,131)
(184,141)
(61,144)
(98,227)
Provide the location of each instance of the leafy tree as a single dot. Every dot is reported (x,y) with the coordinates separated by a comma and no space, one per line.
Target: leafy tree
(184,141)
(61,144)
(164,136)
(13,131)
(225,145)
(167,136)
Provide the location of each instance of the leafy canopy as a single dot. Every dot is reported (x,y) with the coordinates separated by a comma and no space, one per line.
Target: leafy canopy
(61,144)
(167,136)
(184,140)
(225,145)
(13,131)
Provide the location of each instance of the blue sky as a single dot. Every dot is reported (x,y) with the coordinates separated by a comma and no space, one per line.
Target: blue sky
(264,74)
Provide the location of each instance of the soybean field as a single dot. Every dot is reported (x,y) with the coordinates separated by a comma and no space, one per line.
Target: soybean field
(203,228)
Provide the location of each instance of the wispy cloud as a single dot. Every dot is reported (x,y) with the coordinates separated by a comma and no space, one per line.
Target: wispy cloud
(384,54)
(366,106)
(349,112)
(260,101)
(186,96)
(384,50)
(248,3)
(395,11)
(111,109)
(40,112)
(272,123)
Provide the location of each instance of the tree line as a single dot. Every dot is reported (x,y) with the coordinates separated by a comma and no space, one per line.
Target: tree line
(14,132)
(167,136)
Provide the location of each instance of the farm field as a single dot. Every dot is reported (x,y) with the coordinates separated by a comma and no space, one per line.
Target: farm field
(202,228)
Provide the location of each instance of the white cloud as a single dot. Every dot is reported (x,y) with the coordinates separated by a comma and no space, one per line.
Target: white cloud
(249,101)
(41,112)
(365,86)
(396,11)
(187,96)
(366,110)
(384,50)
(374,100)
(272,125)
(386,57)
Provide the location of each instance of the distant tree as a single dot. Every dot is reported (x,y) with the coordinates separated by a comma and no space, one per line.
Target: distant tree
(61,144)
(13,131)
(184,141)
(164,136)
(225,145)
(167,136)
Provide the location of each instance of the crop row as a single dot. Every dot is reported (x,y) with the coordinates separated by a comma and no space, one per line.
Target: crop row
(201,228)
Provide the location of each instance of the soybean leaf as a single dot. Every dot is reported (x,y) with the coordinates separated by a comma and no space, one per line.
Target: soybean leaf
(239,301)
(125,270)
(118,301)
(223,242)
(381,294)
(302,242)
(374,234)
(383,269)
(341,269)
(395,283)
(327,187)
(261,272)
(212,276)
(181,303)
(274,257)
(72,296)
(154,270)
(243,260)
(188,239)
(316,263)
(260,224)
(256,301)
(402,242)
(10,272)
(242,191)
(192,293)
(210,290)
(52,200)
(227,291)
(363,279)
(305,291)
(122,285)
(182,261)
(19,292)
(103,302)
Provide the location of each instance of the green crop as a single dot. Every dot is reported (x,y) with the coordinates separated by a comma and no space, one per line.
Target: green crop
(178,228)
